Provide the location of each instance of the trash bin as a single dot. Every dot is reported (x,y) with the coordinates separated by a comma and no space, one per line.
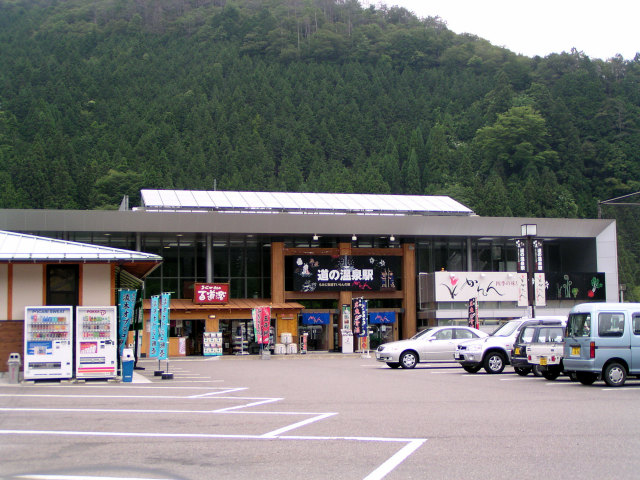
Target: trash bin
(127,365)
(14,367)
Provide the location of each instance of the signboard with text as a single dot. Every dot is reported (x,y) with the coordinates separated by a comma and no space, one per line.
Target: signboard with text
(211,293)
(484,286)
(345,273)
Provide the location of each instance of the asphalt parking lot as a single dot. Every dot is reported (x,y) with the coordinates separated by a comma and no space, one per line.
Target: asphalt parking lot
(318,417)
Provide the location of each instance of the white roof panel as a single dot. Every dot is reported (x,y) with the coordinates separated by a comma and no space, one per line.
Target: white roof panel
(185,198)
(17,246)
(169,198)
(203,199)
(299,202)
(151,197)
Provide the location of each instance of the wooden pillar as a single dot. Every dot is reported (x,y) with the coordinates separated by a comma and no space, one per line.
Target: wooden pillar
(212,325)
(277,272)
(345,298)
(409,323)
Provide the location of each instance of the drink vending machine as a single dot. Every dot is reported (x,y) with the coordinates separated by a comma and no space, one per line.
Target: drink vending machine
(96,342)
(48,342)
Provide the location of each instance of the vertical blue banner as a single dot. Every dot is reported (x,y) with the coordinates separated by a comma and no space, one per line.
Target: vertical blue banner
(163,343)
(154,327)
(126,306)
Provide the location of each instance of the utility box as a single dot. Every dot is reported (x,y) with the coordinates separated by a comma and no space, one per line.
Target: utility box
(14,363)
(127,365)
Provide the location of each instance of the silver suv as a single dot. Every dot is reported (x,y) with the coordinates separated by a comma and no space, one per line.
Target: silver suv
(493,352)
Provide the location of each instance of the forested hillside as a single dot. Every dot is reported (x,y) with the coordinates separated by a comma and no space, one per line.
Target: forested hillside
(99,99)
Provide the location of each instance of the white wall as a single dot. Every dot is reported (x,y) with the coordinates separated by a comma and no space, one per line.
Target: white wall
(96,285)
(28,288)
(607,255)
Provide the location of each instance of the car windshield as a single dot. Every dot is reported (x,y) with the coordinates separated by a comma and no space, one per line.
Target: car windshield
(579,325)
(421,333)
(506,329)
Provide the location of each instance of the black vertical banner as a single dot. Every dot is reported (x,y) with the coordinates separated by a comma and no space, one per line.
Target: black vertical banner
(359,315)
(472,316)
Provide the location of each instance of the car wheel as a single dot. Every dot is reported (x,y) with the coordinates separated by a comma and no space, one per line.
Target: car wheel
(393,364)
(586,378)
(536,371)
(494,362)
(472,368)
(522,371)
(615,375)
(551,373)
(408,359)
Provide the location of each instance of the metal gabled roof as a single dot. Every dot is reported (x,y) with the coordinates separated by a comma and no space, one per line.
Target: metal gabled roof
(297,202)
(19,247)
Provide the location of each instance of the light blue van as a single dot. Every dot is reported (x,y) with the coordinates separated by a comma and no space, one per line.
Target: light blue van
(602,341)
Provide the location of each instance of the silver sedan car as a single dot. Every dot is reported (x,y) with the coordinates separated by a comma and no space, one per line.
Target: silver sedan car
(432,344)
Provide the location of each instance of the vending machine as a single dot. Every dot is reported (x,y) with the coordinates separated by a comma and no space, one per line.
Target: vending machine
(96,342)
(48,342)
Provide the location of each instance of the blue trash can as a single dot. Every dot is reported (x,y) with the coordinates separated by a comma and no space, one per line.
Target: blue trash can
(127,365)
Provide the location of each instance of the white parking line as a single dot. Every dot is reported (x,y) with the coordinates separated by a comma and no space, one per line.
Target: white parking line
(380,472)
(293,426)
(209,394)
(412,444)
(395,460)
(81,477)
(254,404)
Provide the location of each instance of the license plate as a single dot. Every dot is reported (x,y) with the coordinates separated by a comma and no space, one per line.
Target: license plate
(575,351)
(543,360)
(517,351)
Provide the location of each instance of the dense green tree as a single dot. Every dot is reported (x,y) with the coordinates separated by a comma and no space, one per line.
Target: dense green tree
(101,98)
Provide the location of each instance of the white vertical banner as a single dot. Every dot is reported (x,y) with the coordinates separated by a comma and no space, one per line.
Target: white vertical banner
(523,292)
(540,290)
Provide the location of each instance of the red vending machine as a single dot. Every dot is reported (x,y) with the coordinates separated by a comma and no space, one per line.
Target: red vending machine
(96,345)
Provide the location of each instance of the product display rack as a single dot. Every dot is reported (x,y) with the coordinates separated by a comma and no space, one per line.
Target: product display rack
(212,343)
(240,342)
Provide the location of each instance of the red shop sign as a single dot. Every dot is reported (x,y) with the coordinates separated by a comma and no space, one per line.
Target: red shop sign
(210,293)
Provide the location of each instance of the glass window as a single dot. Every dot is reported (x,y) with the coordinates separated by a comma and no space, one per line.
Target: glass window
(440,256)
(424,257)
(483,263)
(507,329)
(254,289)
(221,261)
(446,334)
(253,262)
(187,255)
(170,254)
(236,263)
(610,324)
(152,286)
(462,333)
(636,323)
(527,335)
(579,325)
(62,284)
(236,288)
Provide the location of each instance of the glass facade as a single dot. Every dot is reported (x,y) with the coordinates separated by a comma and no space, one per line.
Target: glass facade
(244,262)
(451,254)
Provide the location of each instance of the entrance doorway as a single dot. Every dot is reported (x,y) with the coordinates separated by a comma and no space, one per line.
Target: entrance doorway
(193,330)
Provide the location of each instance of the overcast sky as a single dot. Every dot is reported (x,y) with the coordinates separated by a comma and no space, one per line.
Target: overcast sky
(599,28)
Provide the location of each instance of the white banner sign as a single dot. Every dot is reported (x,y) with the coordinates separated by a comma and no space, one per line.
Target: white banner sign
(485,286)
(540,289)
